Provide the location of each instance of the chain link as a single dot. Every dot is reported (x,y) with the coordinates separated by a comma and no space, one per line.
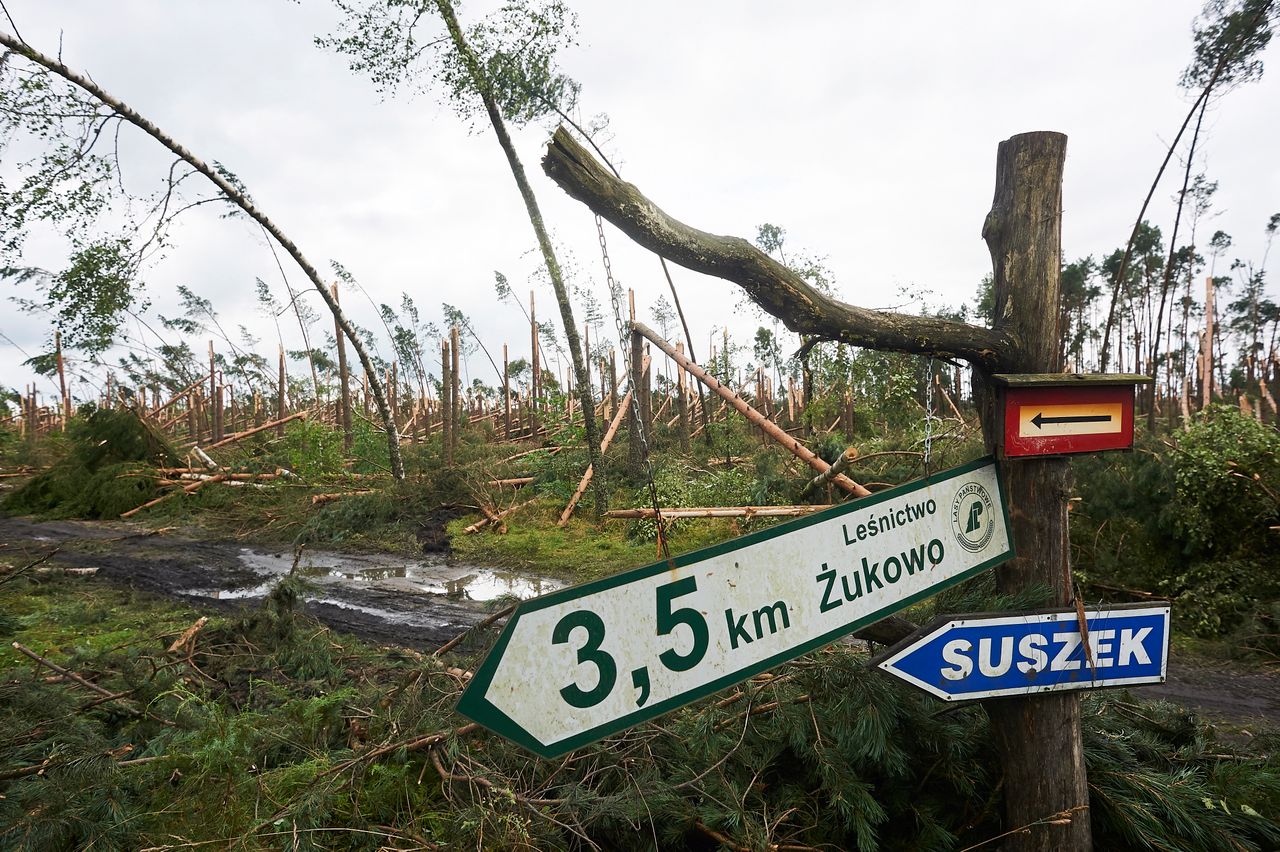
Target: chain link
(615,297)
(928,416)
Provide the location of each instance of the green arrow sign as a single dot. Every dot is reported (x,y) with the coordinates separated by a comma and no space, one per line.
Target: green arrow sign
(588,661)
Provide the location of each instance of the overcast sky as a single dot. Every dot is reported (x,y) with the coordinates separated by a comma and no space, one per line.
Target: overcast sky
(867,131)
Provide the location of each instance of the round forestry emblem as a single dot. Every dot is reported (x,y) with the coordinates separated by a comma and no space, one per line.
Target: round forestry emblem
(973,518)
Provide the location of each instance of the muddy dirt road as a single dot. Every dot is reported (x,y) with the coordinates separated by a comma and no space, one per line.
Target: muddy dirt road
(419,602)
(423,602)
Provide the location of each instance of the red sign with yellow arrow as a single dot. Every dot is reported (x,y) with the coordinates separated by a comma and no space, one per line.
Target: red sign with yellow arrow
(1067,418)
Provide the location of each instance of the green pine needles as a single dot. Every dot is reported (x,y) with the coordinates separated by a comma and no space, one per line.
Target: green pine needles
(268,730)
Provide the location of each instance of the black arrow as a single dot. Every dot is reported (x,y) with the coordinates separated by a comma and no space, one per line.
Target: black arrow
(1040,419)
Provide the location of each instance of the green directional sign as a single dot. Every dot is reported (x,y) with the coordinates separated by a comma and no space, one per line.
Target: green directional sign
(585,662)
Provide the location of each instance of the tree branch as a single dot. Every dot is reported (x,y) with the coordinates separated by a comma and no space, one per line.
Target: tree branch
(776,289)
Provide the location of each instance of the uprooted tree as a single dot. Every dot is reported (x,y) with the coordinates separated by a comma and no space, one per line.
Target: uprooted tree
(1045,787)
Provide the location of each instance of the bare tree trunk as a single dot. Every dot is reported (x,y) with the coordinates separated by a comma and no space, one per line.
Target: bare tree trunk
(1206,344)
(506,394)
(280,395)
(1167,279)
(1039,737)
(344,379)
(241,200)
(535,384)
(446,403)
(459,412)
(65,398)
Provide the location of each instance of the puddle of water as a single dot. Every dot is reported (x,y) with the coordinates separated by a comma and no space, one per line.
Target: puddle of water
(463,582)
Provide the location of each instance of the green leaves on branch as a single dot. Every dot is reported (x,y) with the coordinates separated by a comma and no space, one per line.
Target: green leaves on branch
(516,48)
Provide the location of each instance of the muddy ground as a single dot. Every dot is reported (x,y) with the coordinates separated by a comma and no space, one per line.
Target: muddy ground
(423,602)
(419,602)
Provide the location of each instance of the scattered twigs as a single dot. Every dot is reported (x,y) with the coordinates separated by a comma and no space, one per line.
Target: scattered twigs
(25,568)
(480,625)
(322,499)
(480,524)
(183,642)
(87,684)
(760,709)
(67,673)
(1137,593)
(1063,817)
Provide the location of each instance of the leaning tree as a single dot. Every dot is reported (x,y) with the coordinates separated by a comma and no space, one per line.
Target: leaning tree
(107,108)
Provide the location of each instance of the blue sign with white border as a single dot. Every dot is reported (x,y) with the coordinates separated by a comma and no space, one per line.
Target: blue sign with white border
(990,655)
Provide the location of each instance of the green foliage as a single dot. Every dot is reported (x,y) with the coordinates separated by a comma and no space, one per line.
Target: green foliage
(1193,523)
(284,730)
(1227,475)
(108,468)
(310,449)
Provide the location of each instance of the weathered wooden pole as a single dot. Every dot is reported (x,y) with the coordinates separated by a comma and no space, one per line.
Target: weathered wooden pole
(1039,737)
(344,378)
(536,382)
(682,401)
(446,409)
(506,394)
(455,394)
(281,394)
(62,381)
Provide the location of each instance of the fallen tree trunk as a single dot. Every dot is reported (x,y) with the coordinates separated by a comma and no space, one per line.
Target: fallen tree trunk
(842,463)
(186,489)
(718,512)
(604,446)
(514,482)
(778,290)
(231,439)
(755,418)
(321,499)
(488,519)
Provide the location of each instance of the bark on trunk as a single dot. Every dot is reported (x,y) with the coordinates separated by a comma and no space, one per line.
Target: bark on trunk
(1039,737)
(344,378)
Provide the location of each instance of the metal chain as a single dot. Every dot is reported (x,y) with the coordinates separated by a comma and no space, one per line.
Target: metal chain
(615,297)
(928,416)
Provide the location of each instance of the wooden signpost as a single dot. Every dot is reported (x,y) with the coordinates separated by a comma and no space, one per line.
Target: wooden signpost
(579,664)
(1062,413)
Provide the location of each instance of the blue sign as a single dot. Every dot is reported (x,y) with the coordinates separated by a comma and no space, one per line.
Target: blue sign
(963,657)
